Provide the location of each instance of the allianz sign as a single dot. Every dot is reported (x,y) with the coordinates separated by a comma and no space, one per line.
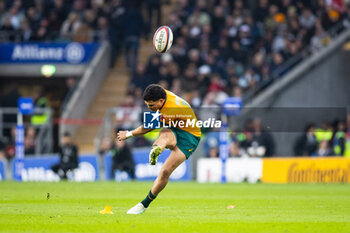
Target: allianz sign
(72,52)
(33,52)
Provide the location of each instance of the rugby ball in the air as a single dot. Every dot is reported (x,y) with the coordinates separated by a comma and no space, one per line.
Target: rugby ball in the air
(163,39)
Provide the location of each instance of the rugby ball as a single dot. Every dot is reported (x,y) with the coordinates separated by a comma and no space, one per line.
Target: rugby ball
(163,39)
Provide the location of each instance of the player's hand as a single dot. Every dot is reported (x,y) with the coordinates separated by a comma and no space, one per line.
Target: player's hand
(121,135)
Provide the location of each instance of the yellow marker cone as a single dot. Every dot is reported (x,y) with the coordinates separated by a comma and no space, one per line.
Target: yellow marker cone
(107,210)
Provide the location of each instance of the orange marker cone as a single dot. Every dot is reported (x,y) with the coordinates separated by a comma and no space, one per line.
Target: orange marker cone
(107,210)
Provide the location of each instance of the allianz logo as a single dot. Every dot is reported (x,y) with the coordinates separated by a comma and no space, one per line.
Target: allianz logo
(73,52)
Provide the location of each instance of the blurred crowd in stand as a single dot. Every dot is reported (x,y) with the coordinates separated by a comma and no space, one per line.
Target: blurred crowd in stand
(9,99)
(328,139)
(221,48)
(226,47)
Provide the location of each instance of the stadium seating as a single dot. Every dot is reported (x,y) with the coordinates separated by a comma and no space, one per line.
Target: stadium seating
(247,44)
(221,48)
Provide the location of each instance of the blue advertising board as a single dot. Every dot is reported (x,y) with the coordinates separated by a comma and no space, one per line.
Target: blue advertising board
(17,170)
(144,171)
(39,169)
(232,106)
(2,171)
(25,105)
(71,53)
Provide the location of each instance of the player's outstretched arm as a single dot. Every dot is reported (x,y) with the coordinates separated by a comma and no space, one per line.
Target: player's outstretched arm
(123,135)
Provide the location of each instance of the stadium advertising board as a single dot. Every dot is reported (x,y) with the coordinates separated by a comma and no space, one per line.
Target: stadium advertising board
(144,171)
(2,171)
(237,169)
(70,53)
(306,170)
(39,169)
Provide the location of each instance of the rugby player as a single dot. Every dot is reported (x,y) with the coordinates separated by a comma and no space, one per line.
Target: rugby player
(182,140)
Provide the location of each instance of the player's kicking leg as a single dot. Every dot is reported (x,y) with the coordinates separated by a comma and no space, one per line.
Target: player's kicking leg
(175,159)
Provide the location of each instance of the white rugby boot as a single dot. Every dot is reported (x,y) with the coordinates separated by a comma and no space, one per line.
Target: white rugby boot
(137,209)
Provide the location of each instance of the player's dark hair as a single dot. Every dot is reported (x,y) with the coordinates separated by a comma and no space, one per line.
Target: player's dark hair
(154,92)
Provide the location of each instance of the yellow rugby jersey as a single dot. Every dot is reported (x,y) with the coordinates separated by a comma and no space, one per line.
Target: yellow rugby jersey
(176,110)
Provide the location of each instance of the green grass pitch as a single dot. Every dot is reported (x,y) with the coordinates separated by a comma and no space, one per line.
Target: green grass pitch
(181,207)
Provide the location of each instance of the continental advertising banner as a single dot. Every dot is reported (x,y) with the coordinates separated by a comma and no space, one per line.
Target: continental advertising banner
(306,170)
